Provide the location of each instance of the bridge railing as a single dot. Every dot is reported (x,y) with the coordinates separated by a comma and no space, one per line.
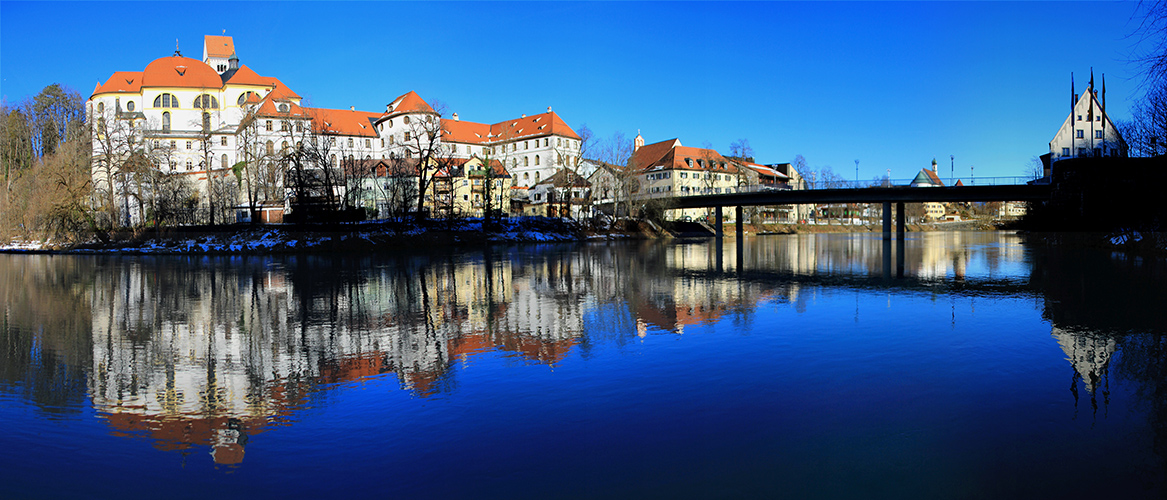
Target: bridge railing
(974,181)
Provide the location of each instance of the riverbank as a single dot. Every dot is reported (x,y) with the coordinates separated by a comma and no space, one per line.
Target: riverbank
(286,238)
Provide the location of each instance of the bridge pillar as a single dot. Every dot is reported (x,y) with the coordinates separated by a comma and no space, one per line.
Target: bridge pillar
(887,221)
(900,220)
(739,223)
(717,222)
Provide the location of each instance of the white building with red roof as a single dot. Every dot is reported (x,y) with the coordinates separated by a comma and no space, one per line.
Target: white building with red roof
(202,119)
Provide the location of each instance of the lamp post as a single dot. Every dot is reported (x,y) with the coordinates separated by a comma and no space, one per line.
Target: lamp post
(856,173)
(951,169)
(973,173)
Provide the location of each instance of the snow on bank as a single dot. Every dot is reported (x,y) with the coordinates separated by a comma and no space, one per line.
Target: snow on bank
(358,237)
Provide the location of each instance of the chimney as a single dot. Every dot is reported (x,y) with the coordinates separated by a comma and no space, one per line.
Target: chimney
(548,109)
(455,116)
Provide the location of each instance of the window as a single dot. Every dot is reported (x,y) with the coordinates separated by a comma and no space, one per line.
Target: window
(224,161)
(407,135)
(1079,117)
(157,145)
(392,141)
(101,107)
(545,142)
(173,145)
(467,149)
(404,120)
(299,126)
(285,126)
(368,143)
(350,142)
(283,108)
(526,175)
(206,101)
(267,126)
(526,161)
(1096,118)
(223,141)
(536,159)
(206,122)
(332,160)
(382,142)
(408,154)
(244,96)
(284,146)
(166,101)
(1081,134)
(536,176)
(189,164)
(689,161)
(130,106)
(188,145)
(1097,134)
(271,148)
(1065,151)
(166,122)
(558,142)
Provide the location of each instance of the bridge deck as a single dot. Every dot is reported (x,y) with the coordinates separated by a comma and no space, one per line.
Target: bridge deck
(867,195)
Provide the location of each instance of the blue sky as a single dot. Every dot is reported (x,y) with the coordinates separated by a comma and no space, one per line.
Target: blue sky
(893,85)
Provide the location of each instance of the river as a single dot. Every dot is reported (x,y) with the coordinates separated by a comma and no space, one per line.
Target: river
(799,366)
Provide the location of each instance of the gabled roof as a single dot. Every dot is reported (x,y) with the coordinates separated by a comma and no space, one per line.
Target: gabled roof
(767,171)
(247,76)
(548,123)
(409,102)
(465,132)
(121,82)
(672,155)
(565,178)
(927,178)
(651,154)
(344,122)
(218,46)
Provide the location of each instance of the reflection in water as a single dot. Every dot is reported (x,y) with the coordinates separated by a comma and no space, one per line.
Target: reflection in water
(209,352)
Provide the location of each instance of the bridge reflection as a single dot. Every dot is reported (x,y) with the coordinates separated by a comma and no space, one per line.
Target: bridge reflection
(207,353)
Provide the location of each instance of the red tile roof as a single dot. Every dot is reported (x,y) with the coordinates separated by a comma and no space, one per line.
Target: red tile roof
(183,72)
(121,82)
(651,154)
(671,154)
(465,132)
(218,46)
(247,76)
(409,102)
(532,126)
(344,121)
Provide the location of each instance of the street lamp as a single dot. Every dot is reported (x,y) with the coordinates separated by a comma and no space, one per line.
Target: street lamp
(973,173)
(856,173)
(952,169)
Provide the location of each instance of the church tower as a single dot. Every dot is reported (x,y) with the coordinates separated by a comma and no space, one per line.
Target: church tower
(638,142)
(219,53)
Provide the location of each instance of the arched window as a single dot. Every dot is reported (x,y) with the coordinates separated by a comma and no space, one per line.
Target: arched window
(166,121)
(408,153)
(206,122)
(101,107)
(392,141)
(526,161)
(129,105)
(244,96)
(271,148)
(224,161)
(526,175)
(536,159)
(405,120)
(536,176)
(166,101)
(332,160)
(284,146)
(206,101)
(189,165)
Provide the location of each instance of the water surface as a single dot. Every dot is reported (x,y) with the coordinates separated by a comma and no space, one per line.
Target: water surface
(804,366)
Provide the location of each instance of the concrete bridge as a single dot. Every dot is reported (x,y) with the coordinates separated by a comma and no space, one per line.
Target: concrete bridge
(885,195)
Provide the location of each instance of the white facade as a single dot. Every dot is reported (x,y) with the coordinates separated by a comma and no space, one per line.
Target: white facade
(1087,131)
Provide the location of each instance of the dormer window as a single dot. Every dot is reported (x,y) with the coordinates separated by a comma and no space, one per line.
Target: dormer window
(283,108)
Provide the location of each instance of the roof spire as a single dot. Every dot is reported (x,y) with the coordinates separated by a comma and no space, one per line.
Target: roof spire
(176,52)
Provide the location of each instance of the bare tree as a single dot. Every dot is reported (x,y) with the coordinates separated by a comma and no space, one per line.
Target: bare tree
(1146,133)
(568,156)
